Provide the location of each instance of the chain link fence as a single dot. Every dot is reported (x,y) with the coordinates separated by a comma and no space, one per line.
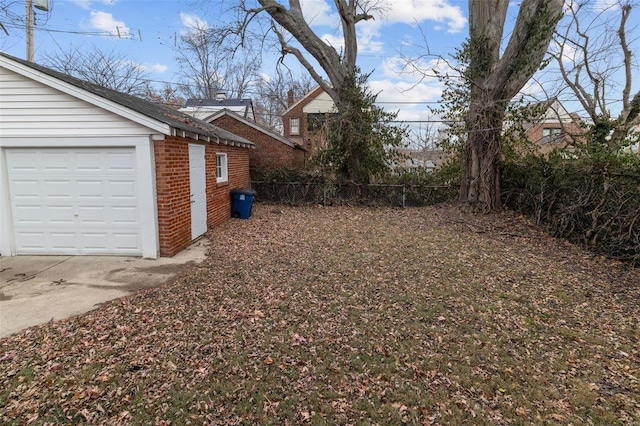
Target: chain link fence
(331,193)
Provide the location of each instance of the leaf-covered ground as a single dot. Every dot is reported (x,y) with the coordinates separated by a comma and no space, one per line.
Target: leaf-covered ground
(349,316)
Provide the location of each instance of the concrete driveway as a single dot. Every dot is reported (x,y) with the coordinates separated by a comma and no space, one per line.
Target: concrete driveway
(37,289)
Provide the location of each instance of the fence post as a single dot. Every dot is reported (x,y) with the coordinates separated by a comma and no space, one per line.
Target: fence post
(404,196)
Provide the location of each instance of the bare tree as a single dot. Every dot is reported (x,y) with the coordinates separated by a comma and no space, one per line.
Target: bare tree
(167,96)
(210,64)
(289,24)
(596,62)
(495,76)
(112,70)
(11,16)
(274,94)
(292,30)
(426,137)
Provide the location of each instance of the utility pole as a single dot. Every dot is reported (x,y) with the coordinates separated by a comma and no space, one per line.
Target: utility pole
(29,16)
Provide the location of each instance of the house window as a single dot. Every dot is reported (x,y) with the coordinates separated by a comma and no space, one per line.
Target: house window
(295,126)
(552,135)
(315,121)
(222,173)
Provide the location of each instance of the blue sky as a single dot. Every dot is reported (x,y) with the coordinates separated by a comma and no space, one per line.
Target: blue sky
(146,31)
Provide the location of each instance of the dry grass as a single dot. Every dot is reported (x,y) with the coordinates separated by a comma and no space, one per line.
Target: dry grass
(349,316)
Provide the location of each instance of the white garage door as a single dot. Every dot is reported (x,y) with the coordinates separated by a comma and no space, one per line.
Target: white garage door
(74,201)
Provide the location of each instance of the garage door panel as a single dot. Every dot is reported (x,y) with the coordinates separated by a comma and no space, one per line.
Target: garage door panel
(120,163)
(75,201)
(124,242)
(28,215)
(95,241)
(122,189)
(32,242)
(26,189)
(56,162)
(92,189)
(58,189)
(22,162)
(90,162)
(124,215)
(63,240)
(58,215)
(92,215)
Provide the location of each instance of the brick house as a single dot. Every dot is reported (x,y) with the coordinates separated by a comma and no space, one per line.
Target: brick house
(271,151)
(552,127)
(304,118)
(86,170)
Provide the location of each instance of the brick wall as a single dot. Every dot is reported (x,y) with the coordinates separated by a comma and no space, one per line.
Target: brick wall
(270,153)
(172,192)
(173,189)
(218,194)
(310,140)
(571,131)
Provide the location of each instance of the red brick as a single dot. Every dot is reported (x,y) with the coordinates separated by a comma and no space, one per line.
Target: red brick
(173,189)
(269,152)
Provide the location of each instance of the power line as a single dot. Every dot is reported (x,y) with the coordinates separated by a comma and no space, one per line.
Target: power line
(89,33)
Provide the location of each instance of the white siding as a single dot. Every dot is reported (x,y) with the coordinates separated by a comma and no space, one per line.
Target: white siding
(321,104)
(556,113)
(31,109)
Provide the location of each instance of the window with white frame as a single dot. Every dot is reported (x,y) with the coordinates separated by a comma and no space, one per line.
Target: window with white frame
(222,173)
(295,125)
(553,134)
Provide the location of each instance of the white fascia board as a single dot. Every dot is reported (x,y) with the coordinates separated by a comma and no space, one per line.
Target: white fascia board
(86,96)
(81,141)
(302,99)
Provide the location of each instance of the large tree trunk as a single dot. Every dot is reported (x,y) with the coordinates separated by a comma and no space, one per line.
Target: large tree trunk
(480,189)
(494,81)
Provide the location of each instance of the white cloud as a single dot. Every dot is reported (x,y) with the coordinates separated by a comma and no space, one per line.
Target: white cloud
(319,12)
(86,4)
(106,22)
(609,5)
(570,55)
(533,89)
(336,41)
(416,71)
(265,78)
(368,32)
(193,22)
(417,11)
(403,92)
(157,68)
(408,99)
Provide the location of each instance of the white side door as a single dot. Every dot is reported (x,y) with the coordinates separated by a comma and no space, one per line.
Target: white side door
(198,186)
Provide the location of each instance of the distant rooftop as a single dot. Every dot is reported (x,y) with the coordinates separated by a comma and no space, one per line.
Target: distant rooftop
(222,102)
(203,108)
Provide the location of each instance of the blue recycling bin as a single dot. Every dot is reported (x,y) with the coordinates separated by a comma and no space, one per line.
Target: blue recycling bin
(242,202)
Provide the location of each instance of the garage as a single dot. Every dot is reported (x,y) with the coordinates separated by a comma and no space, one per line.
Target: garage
(74,201)
(85,170)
